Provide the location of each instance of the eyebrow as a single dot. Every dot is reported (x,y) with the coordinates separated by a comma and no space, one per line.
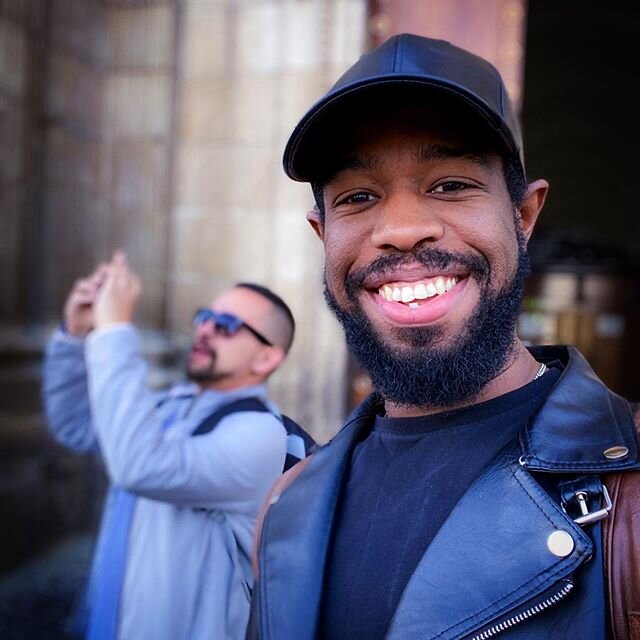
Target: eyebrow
(424,153)
(430,152)
(359,163)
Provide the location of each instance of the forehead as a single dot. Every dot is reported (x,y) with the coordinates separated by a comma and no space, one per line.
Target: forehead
(430,131)
(242,302)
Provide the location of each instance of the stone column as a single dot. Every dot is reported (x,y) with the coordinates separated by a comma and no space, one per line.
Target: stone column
(248,70)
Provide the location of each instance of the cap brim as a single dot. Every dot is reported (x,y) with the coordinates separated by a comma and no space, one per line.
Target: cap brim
(302,154)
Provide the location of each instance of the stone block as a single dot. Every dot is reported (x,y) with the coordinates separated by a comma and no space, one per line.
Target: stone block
(346,34)
(296,249)
(259,49)
(138,105)
(303,34)
(12,215)
(19,10)
(13,60)
(251,181)
(12,144)
(206,40)
(205,244)
(255,103)
(70,229)
(297,91)
(72,160)
(80,26)
(290,195)
(207,110)
(252,256)
(74,93)
(141,36)
(139,175)
(204,175)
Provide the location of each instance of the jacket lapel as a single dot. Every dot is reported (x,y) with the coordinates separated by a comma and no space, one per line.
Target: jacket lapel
(297,540)
(458,587)
(580,422)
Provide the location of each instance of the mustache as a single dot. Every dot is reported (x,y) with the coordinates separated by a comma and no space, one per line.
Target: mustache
(428,256)
(203,345)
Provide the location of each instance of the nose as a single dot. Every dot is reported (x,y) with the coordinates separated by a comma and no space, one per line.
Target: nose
(405,220)
(205,329)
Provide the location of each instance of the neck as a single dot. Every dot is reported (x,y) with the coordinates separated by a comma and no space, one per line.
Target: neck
(228,384)
(520,370)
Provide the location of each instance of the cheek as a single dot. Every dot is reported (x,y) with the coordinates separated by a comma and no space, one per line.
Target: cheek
(345,245)
(339,255)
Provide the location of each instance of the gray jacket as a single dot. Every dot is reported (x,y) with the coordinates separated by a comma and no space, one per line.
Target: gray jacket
(197,497)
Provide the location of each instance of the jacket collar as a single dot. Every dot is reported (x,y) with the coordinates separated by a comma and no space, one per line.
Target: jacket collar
(579,422)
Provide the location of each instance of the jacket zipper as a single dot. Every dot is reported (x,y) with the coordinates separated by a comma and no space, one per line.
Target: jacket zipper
(529,612)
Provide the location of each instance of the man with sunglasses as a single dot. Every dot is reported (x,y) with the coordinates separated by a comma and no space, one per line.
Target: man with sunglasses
(172,559)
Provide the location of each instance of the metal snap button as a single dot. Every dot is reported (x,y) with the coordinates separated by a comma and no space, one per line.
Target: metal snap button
(616,453)
(560,543)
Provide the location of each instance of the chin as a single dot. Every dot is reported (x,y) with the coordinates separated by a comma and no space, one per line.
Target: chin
(200,374)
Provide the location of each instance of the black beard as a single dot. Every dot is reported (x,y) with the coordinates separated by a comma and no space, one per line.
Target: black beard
(426,374)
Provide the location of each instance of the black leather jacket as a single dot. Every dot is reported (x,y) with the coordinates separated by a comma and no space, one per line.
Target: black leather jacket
(509,562)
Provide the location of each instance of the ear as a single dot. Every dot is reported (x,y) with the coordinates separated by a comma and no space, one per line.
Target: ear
(316,223)
(268,360)
(532,204)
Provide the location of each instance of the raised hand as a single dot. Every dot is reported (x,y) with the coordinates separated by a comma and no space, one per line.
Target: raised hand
(118,297)
(79,306)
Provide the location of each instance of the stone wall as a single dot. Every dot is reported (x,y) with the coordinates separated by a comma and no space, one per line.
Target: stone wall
(247,72)
(158,127)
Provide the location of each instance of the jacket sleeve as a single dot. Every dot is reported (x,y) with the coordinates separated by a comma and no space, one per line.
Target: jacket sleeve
(230,468)
(65,394)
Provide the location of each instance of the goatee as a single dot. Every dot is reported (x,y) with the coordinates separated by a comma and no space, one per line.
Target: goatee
(428,372)
(202,374)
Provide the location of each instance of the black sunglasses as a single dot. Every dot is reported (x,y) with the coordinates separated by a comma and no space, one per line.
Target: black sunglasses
(226,324)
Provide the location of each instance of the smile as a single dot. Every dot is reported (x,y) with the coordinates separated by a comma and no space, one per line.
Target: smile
(412,294)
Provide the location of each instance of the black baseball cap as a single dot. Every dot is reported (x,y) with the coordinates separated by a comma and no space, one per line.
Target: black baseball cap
(406,60)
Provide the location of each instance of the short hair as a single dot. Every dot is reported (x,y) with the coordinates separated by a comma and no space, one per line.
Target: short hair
(276,300)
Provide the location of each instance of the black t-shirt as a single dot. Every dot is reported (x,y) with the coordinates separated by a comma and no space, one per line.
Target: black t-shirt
(405,477)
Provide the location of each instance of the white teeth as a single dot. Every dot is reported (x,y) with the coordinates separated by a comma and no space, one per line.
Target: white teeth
(413,305)
(420,291)
(407,294)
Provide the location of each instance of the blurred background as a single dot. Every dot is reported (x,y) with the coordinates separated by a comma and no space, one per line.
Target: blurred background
(157,126)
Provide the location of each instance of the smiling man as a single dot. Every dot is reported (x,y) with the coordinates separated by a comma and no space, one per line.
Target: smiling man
(189,466)
(465,497)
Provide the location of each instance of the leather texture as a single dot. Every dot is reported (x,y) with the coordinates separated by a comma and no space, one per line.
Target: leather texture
(405,60)
(621,532)
(287,478)
(491,561)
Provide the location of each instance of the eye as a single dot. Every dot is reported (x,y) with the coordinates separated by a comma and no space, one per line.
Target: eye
(451,186)
(359,197)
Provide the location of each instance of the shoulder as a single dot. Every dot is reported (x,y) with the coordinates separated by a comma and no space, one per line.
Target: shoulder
(252,419)
(255,425)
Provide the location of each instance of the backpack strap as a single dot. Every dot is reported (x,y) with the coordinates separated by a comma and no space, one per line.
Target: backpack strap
(299,442)
(242,404)
(621,547)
